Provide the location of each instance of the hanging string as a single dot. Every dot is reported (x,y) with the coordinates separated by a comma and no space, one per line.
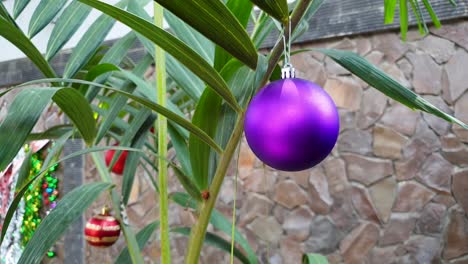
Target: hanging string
(288,70)
(287,44)
(266,183)
(233,227)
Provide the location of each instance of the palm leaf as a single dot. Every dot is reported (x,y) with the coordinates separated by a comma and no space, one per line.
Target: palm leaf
(67,24)
(142,238)
(216,241)
(185,79)
(19,6)
(219,221)
(172,45)
(43,14)
(171,115)
(277,9)
(4,13)
(14,35)
(89,43)
(385,84)
(314,259)
(214,20)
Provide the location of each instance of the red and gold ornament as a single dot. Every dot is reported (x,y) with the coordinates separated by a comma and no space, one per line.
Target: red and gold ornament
(103,230)
(119,165)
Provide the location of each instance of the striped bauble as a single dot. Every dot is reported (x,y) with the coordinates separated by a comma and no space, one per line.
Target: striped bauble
(103,230)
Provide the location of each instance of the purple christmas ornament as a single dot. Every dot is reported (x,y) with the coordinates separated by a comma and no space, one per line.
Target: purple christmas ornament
(292,124)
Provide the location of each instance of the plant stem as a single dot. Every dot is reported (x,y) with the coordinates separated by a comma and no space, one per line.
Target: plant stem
(160,68)
(197,235)
(199,229)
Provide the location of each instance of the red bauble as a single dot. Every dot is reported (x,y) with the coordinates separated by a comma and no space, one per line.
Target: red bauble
(103,230)
(119,166)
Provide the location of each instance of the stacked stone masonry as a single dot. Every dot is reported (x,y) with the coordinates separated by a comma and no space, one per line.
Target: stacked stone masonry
(394,189)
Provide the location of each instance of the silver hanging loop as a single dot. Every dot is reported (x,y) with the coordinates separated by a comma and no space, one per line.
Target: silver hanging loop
(288,70)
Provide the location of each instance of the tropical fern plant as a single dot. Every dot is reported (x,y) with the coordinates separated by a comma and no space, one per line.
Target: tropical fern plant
(209,66)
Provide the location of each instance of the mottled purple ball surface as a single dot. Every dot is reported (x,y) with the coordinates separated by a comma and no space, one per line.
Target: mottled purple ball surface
(292,124)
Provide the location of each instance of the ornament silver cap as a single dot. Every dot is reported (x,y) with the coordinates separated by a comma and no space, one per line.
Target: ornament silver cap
(288,71)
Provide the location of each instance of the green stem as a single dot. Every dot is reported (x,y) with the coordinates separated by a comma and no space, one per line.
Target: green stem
(160,62)
(197,235)
(199,229)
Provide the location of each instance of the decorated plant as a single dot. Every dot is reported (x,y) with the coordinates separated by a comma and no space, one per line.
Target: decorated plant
(207,70)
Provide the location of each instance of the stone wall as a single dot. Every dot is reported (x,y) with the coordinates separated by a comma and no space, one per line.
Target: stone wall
(392,191)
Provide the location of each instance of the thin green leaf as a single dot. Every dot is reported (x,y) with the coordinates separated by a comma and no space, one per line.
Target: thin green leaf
(180,145)
(67,24)
(303,25)
(43,14)
(219,221)
(216,241)
(115,55)
(14,35)
(173,46)
(12,209)
(68,210)
(423,30)
(142,238)
(99,70)
(191,37)
(131,165)
(4,13)
(389,10)
(403,19)
(432,13)
(276,8)
(453,2)
(26,109)
(52,133)
(385,84)
(311,258)
(147,90)
(132,161)
(205,117)
(89,43)
(187,183)
(214,20)
(22,115)
(184,78)
(243,82)
(24,170)
(75,106)
(55,150)
(119,101)
(241,9)
(224,116)
(176,118)
(262,29)
(19,6)
(135,125)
